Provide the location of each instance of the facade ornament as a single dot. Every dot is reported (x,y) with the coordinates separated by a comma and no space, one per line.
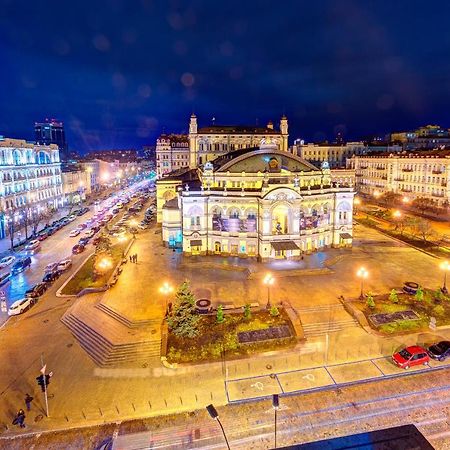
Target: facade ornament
(186,187)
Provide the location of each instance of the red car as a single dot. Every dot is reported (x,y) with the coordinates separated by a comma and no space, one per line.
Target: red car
(78,249)
(411,356)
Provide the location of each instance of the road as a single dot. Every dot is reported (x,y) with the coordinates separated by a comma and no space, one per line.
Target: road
(53,249)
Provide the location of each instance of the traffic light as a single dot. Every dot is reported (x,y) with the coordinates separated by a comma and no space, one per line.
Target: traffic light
(40,381)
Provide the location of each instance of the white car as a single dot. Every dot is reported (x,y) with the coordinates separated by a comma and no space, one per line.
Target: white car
(19,306)
(64,264)
(50,267)
(6,261)
(33,245)
(89,233)
(74,233)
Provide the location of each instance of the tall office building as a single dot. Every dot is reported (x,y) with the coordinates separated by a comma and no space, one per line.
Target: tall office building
(52,132)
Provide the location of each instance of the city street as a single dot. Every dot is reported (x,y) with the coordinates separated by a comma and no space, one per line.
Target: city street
(83,394)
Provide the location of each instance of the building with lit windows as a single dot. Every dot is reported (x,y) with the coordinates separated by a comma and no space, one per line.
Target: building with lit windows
(30,176)
(172,153)
(414,175)
(52,132)
(210,142)
(429,136)
(76,185)
(260,202)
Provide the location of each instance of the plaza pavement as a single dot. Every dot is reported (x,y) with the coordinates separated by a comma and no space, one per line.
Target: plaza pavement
(83,394)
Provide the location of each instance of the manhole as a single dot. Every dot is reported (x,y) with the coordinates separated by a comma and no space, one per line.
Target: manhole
(69,345)
(268,366)
(45,321)
(38,418)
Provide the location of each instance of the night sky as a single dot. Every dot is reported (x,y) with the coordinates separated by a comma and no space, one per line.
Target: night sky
(120,72)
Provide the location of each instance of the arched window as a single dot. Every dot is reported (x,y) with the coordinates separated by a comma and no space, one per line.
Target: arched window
(43,158)
(17,158)
(234,213)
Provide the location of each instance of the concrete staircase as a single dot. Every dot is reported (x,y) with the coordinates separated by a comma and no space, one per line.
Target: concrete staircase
(109,338)
(322,328)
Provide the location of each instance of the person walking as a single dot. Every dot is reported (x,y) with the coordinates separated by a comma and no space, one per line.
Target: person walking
(20,418)
(131,258)
(135,258)
(28,400)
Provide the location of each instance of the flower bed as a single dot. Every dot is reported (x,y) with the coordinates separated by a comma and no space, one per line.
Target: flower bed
(216,340)
(431,305)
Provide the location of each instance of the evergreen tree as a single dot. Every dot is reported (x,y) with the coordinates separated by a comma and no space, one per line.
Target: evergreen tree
(184,320)
(247,311)
(220,318)
(393,297)
(274,311)
(370,301)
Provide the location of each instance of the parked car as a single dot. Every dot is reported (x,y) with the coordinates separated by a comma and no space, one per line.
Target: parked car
(51,276)
(19,306)
(20,266)
(42,236)
(64,264)
(89,233)
(4,278)
(84,241)
(439,351)
(413,355)
(36,291)
(78,248)
(72,217)
(7,261)
(82,226)
(74,232)
(51,267)
(33,246)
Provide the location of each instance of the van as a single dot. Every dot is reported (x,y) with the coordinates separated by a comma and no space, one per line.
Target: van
(21,265)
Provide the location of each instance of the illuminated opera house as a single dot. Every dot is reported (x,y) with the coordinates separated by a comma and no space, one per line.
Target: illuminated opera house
(261,202)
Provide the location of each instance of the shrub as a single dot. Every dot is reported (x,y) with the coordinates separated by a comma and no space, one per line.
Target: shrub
(439,310)
(247,311)
(274,311)
(419,295)
(220,318)
(370,301)
(393,297)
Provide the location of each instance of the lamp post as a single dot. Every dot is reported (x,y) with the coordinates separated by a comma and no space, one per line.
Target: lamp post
(215,415)
(362,274)
(396,215)
(356,203)
(166,289)
(445,266)
(268,281)
(276,407)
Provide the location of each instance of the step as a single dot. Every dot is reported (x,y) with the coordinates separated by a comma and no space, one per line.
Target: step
(124,320)
(320,308)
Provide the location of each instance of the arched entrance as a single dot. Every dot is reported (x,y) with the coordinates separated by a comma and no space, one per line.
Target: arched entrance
(217,247)
(280,219)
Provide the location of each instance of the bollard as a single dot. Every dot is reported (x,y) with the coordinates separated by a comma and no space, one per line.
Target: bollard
(181,400)
(84,415)
(101,413)
(149,404)
(196,398)
(165,401)
(67,419)
(117,409)
(211,394)
(132,404)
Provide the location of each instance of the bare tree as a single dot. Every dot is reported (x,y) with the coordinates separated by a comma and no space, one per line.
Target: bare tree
(424,230)
(12,223)
(40,215)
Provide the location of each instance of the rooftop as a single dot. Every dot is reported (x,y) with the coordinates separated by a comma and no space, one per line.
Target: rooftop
(434,153)
(236,129)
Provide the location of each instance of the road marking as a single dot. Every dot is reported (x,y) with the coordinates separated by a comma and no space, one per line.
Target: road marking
(258,385)
(309,377)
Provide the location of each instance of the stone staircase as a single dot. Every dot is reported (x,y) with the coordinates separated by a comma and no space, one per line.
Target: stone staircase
(326,323)
(124,320)
(111,339)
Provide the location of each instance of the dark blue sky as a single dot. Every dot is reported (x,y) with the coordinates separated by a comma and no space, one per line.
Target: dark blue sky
(118,72)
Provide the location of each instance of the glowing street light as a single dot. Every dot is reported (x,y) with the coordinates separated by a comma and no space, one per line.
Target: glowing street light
(406,200)
(377,194)
(397,214)
(363,274)
(105,263)
(445,266)
(268,281)
(166,289)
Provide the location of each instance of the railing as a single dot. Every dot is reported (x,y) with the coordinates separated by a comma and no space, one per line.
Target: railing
(407,170)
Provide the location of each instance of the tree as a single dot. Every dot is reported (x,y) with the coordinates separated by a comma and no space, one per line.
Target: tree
(247,311)
(419,294)
(370,301)
(103,245)
(424,229)
(393,297)
(220,318)
(39,215)
(12,221)
(183,320)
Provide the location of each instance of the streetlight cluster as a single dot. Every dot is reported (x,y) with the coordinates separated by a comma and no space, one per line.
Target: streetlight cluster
(268,280)
(362,273)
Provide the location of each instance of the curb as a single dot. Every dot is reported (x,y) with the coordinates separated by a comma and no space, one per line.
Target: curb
(58,292)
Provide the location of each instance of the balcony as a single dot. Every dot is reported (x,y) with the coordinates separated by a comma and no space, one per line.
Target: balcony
(437,194)
(384,177)
(437,172)
(407,170)
(379,168)
(363,167)
(444,184)
(399,179)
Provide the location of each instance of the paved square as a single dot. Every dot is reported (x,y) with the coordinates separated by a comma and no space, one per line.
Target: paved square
(361,370)
(252,388)
(301,380)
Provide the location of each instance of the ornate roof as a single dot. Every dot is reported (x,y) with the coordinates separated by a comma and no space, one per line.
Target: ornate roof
(254,160)
(237,129)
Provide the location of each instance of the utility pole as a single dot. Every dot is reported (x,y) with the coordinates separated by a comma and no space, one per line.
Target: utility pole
(45,384)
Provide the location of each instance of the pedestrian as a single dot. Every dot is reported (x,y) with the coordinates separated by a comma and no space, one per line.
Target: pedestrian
(135,258)
(28,400)
(20,418)
(131,258)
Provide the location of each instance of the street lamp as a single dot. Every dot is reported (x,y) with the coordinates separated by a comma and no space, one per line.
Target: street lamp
(276,407)
(215,415)
(362,273)
(377,194)
(397,214)
(445,266)
(166,289)
(405,200)
(268,281)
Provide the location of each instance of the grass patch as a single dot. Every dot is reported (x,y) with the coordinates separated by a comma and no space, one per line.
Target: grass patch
(217,340)
(84,278)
